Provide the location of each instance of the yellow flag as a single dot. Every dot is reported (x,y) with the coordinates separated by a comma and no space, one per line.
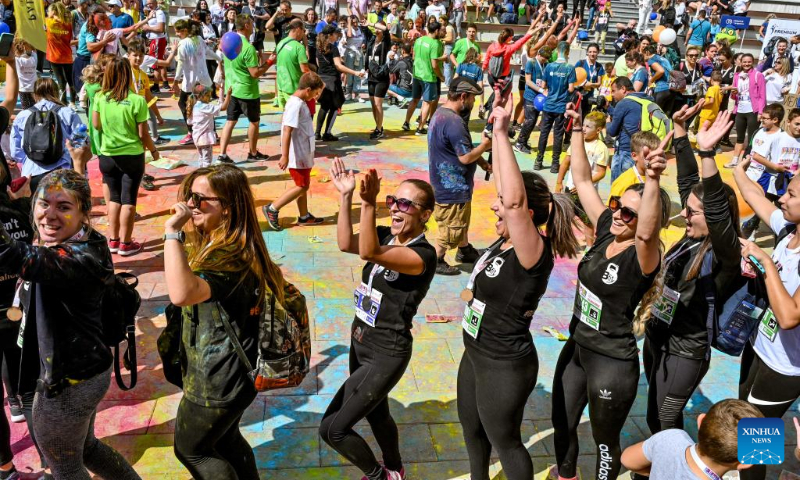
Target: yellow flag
(30,22)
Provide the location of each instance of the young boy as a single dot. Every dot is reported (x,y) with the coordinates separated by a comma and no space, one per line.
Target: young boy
(761,170)
(297,151)
(597,153)
(606,81)
(713,100)
(635,174)
(671,454)
(138,58)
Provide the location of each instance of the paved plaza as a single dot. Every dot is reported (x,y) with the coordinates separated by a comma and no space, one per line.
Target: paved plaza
(282,425)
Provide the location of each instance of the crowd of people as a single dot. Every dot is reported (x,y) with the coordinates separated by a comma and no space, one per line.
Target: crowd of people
(656,102)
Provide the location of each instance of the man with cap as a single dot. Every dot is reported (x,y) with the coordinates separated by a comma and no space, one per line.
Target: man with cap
(119,19)
(452,163)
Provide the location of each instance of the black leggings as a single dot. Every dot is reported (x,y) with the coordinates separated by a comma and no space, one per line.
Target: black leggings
(746,122)
(63,75)
(365,394)
(672,381)
(122,174)
(608,385)
(491,399)
(209,444)
(182,105)
(769,391)
(9,360)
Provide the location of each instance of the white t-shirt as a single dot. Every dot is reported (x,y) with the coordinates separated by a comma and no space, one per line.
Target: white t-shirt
(775,83)
(435,11)
(745,105)
(297,116)
(597,153)
(739,6)
(159,17)
(203,115)
(762,141)
(785,150)
(192,63)
(782,353)
(26,72)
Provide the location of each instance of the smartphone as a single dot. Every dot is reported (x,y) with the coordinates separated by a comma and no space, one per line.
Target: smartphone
(16,184)
(6,41)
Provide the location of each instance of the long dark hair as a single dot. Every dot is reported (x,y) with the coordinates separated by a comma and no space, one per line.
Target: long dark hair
(555,211)
(117,80)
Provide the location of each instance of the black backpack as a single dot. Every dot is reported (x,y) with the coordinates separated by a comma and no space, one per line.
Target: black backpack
(43,141)
(668,17)
(120,305)
(770,48)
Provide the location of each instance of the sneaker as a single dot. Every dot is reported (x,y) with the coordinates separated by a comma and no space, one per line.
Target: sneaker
(223,158)
(376,134)
(154,88)
(403,103)
(444,268)
(148,184)
(130,248)
(538,165)
(392,475)
(512,133)
(15,406)
(161,141)
(361,100)
(522,148)
(187,140)
(148,178)
(309,221)
(113,247)
(554,167)
(318,137)
(330,138)
(166,86)
(481,113)
(421,131)
(732,163)
(418,120)
(406,127)
(257,156)
(272,217)
(467,254)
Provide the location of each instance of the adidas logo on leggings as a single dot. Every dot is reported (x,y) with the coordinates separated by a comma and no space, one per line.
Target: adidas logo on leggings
(605,462)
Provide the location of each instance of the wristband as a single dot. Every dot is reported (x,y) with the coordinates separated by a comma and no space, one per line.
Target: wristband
(707,153)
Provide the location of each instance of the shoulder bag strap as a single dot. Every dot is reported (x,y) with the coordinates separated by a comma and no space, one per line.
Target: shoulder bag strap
(235,340)
(706,281)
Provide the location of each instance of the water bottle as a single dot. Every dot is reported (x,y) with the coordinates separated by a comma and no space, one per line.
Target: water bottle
(79,136)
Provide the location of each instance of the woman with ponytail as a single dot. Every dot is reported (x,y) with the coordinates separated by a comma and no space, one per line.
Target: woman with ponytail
(599,365)
(499,368)
(191,68)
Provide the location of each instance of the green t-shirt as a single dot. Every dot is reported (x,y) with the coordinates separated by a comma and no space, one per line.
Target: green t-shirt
(461,48)
(120,124)
(426,49)
(291,54)
(237,75)
(94,136)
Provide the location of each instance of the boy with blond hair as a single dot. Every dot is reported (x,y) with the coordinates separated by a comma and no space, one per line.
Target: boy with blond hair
(641,144)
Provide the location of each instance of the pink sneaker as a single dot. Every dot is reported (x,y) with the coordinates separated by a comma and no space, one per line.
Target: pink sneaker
(113,245)
(132,248)
(187,140)
(392,475)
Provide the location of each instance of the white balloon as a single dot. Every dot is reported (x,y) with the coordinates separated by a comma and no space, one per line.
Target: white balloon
(667,36)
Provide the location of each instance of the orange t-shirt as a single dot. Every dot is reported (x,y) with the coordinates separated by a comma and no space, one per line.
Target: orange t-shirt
(59,34)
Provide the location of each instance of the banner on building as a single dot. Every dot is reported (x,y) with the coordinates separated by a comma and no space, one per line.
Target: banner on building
(735,22)
(30,16)
(780,28)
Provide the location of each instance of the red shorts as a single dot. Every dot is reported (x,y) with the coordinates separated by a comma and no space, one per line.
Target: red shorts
(301,176)
(158,47)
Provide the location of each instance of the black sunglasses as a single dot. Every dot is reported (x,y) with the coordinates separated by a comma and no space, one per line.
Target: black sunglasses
(403,204)
(625,214)
(691,212)
(198,199)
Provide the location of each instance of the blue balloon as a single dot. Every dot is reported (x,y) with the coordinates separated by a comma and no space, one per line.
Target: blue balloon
(538,102)
(583,35)
(4,28)
(231,45)
(653,16)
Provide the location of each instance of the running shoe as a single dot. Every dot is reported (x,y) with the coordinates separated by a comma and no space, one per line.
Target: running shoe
(318,137)
(554,167)
(257,156)
(406,127)
(309,221)
(522,148)
(481,113)
(376,134)
(130,248)
(113,247)
(421,131)
(187,140)
(444,268)
(538,165)
(467,254)
(330,138)
(166,86)
(272,217)
(403,103)
(148,178)
(148,184)
(732,163)
(154,88)
(15,407)
(161,141)
(391,474)
(223,158)
(361,100)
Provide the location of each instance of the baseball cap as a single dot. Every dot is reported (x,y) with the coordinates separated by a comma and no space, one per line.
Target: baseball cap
(465,85)
(113,2)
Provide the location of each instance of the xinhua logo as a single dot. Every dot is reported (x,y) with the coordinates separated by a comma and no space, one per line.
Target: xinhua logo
(761,441)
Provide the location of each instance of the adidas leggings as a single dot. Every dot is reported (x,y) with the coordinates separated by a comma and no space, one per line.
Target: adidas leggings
(771,392)
(491,399)
(608,386)
(672,380)
(365,394)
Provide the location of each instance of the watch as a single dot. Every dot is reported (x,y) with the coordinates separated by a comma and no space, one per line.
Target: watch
(179,236)
(707,153)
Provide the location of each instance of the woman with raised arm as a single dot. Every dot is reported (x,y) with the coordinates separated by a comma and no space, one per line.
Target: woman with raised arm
(500,365)
(705,260)
(399,269)
(770,376)
(599,364)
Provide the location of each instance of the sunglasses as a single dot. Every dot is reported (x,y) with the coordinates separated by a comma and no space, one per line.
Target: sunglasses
(403,204)
(691,212)
(692,56)
(198,199)
(625,214)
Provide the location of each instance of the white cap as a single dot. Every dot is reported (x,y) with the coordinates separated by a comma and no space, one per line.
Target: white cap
(113,2)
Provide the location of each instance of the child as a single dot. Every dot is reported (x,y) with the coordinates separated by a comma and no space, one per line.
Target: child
(601,27)
(597,153)
(635,174)
(297,151)
(26,71)
(606,81)
(762,170)
(713,100)
(672,453)
(138,58)
(202,113)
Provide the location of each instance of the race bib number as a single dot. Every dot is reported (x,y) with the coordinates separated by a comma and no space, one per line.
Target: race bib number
(473,316)
(769,325)
(368,304)
(664,308)
(755,170)
(591,307)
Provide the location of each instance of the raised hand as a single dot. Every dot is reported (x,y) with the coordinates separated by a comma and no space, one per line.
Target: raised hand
(687,112)
(710,135)
(343,180)
(574,112)
(501,118)
(656,160)
(370,187)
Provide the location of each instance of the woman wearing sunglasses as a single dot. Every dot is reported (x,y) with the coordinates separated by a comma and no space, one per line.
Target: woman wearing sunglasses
(399,269)
(500,365)
(676,349)
(220,261)
(599,364)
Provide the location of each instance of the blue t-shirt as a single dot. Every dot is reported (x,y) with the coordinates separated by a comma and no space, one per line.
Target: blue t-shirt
(470,70)
(640,76)
(700,31)
(449,139)
(122,21)
(85,37)
(662,84)
(536,72)
(558,76)
(593,73)
(322,24)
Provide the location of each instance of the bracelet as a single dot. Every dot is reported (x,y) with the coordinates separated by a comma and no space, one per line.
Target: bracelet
(707,153)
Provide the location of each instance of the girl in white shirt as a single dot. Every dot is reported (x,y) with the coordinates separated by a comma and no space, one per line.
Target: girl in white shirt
(26,71)
(202,114)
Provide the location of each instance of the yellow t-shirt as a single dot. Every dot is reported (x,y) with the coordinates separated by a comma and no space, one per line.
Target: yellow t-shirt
(711,108)
(629,177)
(597,153)
(605,85)
(140,81)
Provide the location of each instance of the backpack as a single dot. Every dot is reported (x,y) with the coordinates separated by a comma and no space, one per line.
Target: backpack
(120,305)
(770,48)
(653,118)
(43,141)
(668,17)
(677,80)
(284,342)
(496,66)
(509,18)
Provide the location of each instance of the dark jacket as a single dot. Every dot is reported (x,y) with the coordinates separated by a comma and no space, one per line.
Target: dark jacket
(687,335)
(626,119)
(62,299)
